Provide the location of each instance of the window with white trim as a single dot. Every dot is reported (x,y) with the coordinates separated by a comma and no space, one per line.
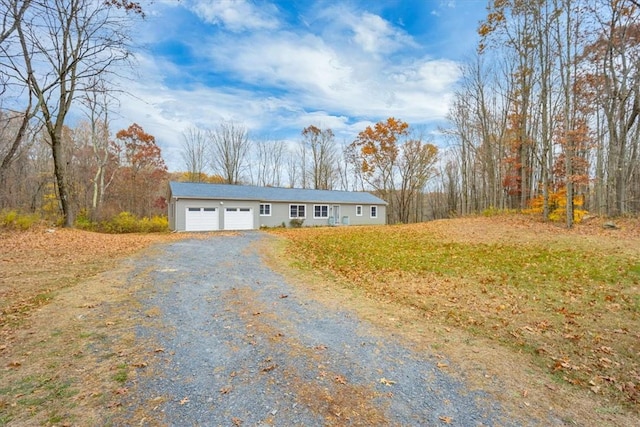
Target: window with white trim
(265,209)
(374,212)
(297,211)
(321,211)
(358,210)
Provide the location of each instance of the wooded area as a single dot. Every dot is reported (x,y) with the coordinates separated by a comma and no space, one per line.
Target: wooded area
(544,119)
(549,106)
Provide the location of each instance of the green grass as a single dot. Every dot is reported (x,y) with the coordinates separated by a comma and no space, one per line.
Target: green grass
(33,391)
(122,374)
(525,265)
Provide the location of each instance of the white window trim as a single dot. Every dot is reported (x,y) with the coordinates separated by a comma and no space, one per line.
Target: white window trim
(320,217)
(360,208)
(297,209)
(265,204)
(371,209)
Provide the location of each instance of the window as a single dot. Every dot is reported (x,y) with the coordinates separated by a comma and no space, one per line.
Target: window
(209,209)
(320,211)
(265,209)
(374,212)
(194,209)
(297,211)
(358,210)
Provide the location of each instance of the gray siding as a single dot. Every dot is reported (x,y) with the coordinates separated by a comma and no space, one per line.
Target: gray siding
(280,212)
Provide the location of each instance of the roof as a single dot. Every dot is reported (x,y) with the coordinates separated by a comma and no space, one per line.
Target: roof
(191,190)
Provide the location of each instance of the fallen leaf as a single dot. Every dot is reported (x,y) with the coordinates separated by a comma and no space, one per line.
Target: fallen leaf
(387,382)
(340,379)
(225,390)
(269,368)
(447,420)
(442,365)
(284,296)
(236,421)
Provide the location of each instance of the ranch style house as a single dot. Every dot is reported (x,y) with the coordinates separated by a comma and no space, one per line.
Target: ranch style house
(209,207)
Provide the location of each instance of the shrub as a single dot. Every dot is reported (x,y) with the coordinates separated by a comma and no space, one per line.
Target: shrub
(296,222)
(13,220)
(7,218)
(83,222)
(155,224)
(126,222)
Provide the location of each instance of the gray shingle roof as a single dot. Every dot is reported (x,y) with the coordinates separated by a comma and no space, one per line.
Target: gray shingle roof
(190,190)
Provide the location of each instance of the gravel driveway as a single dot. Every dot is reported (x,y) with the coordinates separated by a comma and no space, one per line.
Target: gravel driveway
(235,344)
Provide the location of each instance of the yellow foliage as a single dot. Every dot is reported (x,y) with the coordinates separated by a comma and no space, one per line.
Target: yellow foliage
(126,222)
(13,220)
(558,206)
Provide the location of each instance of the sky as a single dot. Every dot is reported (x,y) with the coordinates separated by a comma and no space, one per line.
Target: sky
(277,67)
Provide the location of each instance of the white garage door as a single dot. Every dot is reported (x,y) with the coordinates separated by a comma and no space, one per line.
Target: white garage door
(201,219)
(238,219)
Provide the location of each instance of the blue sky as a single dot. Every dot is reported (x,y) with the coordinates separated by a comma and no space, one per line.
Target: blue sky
(280,66)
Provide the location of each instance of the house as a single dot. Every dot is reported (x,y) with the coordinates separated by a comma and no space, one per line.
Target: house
(205,207)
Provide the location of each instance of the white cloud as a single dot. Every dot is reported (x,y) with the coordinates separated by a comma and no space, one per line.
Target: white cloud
(375,35)
(237,15)
(285,60)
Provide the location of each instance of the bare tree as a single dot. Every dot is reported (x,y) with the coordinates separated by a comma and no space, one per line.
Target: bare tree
(61,44)
(12,13)
(322,157)
(268,162)
(229,147)
(194,153)
(415,167)
(617,56)
(96,98)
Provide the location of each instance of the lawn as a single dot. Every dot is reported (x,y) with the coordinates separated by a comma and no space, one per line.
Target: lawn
(567,299)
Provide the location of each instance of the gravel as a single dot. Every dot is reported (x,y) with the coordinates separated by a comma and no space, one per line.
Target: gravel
(235,344)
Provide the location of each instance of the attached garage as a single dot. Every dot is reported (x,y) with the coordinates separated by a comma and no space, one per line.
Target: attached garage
(238,218)
(201,219)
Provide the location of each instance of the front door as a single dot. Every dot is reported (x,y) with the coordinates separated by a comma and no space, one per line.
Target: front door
(336,215)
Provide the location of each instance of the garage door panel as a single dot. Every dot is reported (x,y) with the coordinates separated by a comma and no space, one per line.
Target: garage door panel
(238,218)
(201,219)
